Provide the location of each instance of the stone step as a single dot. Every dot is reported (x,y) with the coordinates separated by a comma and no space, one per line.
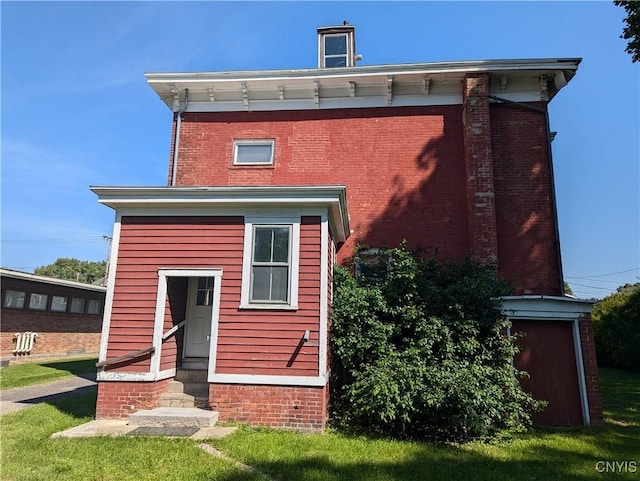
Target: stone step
(174,417)
(176,400)
(175,387)
(191,375)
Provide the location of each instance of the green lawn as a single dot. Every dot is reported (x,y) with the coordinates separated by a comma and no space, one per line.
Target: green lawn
(544,454)
(22,375)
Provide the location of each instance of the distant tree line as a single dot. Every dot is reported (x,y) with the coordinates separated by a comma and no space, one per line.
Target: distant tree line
(74,270)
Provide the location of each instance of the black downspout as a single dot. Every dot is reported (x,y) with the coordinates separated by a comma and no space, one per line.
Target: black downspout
(553,187)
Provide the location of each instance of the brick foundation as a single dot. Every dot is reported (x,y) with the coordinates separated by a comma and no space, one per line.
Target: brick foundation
(297,407)
(590,369)
(118,399)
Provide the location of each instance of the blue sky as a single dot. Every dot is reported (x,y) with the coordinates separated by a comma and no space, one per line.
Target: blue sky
(76,109)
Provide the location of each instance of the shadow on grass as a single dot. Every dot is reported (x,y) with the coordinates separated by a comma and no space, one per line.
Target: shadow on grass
(85,368)
(80,403)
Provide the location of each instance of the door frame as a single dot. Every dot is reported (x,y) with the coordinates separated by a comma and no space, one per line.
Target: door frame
(192,288)
(164,273)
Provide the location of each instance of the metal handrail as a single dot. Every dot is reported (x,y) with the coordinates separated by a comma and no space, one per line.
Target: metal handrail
(134,354)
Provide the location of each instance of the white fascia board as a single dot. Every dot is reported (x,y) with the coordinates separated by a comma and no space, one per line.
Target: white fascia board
(432,68)
(544,307)
(50,280)
(332,198)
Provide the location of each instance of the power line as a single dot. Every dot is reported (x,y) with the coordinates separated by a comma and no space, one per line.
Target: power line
(605,275)
(592,287)
(62,240)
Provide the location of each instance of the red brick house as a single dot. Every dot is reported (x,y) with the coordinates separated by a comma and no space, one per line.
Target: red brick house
(276,175)
(47,318)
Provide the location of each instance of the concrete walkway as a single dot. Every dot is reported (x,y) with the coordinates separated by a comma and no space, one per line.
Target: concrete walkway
(22,397)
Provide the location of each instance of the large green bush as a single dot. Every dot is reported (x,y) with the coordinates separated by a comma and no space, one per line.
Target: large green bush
(616,322)
(422,352)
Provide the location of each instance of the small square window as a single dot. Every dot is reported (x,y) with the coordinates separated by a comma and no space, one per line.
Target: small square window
(59,304)
(373,264)
(38,302)
(204,296)
(14,299)
(253,152)
(77,305)
(93,307)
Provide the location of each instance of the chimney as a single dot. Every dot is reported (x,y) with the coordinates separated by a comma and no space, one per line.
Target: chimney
(337,46)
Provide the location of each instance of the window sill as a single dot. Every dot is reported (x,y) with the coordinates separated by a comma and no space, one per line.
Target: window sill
(268,307)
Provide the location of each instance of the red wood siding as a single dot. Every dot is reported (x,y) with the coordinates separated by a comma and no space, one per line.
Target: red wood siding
(548,355)
(266,342)
(148,243)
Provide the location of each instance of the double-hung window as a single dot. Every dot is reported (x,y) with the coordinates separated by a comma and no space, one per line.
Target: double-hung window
(270,266)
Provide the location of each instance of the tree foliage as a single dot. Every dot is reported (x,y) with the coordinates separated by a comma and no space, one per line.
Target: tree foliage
(616,323)
(631,29)
(423,352)
(74,270)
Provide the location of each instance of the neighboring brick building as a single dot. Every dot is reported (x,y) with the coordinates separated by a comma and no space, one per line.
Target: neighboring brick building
(47,318)
(276,175)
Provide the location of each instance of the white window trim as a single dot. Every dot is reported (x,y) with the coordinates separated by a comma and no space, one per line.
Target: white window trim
(247,257)
(238,142)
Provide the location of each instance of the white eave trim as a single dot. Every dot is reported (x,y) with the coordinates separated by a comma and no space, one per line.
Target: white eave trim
(464,67)
(331,197)
(544,307)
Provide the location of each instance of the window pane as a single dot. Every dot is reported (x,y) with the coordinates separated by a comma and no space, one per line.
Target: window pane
(262,244)
(204,295)
(281,244)
(279,279)
(93,307)
(261,283)
(335,44)
(77,305)
(254,153)
(331,62)
(59,304)
(38,302)
(14,299)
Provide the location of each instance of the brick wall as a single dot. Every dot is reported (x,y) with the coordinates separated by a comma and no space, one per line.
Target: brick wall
(59,334)
(296,407)
(478,162)
(589,360)
(117,400)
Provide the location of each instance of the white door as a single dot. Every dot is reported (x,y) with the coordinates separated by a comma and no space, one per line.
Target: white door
(199,316)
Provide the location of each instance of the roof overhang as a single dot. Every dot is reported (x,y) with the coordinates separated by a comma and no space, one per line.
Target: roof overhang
(545,307)
(437,83)
(25,276)
(212,200)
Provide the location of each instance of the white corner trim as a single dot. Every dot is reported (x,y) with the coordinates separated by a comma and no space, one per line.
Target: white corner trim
(324,296)
(270,380)
(129,376)
(582,379)
(111,282)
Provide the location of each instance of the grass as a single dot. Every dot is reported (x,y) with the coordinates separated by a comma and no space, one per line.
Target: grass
(22,375)
(544,454)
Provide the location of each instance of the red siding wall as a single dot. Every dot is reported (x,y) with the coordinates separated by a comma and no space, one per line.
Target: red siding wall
(266,342)
(148,243)
(402,166)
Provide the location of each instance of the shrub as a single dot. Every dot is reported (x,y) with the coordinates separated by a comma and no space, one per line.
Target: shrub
(616,322)
(422,352)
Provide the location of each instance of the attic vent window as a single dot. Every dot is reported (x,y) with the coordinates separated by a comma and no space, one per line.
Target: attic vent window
(253,152)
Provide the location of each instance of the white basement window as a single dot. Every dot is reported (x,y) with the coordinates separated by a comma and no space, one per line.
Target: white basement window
(253,152)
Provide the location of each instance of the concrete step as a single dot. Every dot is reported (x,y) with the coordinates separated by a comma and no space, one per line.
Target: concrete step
(175,387)
(174,417)
(191,375)
(176,400)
